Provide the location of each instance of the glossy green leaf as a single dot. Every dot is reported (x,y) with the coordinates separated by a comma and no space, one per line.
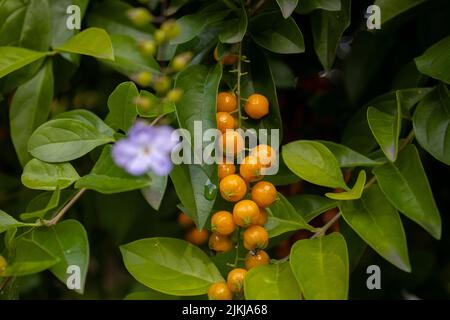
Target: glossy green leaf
(271,282)
(63,140)
(30,257)
(68,241)
(284,218)
(233,28)
(391,9)
(128,59)
(354,193)
(287,7)
(405,185)
(150,295)
(313,162)
(328,28)
(88,118)
(386,129)
(378,223)
(306,6)
(431,124)
(171,266)
(347,157)
(154,193)
(30,107)
(40,213)
(283,177)
(434,63)
(93,42)
(157,106)
(272,32)
(122,106)
(310,206)
(48,176)
(320,266)
(7,222)
(14,58)
(108,178)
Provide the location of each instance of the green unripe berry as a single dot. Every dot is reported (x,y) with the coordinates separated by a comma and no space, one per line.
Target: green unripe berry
(180,61)
(162,84)
(144,78)
(3,264)
(139,16)
(171,29)
(148,47)
(160,36)
(174,95)
(143,104)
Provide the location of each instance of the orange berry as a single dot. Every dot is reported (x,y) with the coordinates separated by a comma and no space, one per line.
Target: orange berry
(219,291)
(250,169)
(256,237)
(226,169)
(197,237)
(222,222)
(258,259)
(227,59)
(232,143)
(232,188)
(262,218)
(245,213)
(265,154)
(225,121)
(235,279)
(257,106)
(226,102)
(185,221)
(264,194)
(220,243)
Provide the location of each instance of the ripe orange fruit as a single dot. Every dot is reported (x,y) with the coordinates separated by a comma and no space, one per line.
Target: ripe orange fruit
(219,291)
(184,221)
(256,237)
(258,259)
(225,121)
(250,169)
(232,143)
(245,213)
(262,218)
(232,188)
(235,279)
(226,102)
(197,237)
(225,169)
(264,194)
(227,59)
(220,243)
(222,222)
(265,154)
(257,106)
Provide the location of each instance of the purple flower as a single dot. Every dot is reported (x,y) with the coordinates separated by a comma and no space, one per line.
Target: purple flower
(146,148)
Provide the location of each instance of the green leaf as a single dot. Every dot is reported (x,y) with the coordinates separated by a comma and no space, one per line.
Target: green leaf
(108,178)
(30,108)
(48,176)
(434,62)
(271,282)
(328,28)
(41,212)
(171,266)
(391,9)
(128,59)
(88,118)
(111,16)
(320,266)
(313,162)
(431,124)
(157,106)
(386,129)
(310,206)
(233,28)
(8,222)
(93,42)
(283,177)
(150,295)
(354,193)
(68,241)
(13,58)
(284,218)
(122,106)
(307,6)
(272,32)
(405,185)
(287,7)
(378,223)
(347,157)
(155,192)
(29,258)
(63,140)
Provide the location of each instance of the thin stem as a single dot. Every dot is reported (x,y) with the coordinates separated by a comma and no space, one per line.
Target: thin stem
(324,229)
(64,210)
(4,283)
(236,258)
(156,120)
(238,89)
(258,7)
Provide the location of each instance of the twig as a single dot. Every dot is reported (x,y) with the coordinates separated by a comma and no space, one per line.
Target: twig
(238,90)
(64,210)
(324,229)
